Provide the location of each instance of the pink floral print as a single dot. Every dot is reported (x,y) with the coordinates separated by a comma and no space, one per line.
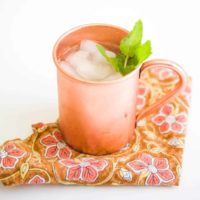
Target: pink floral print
(10,155)
(36,180)
(157,169)
(85,169)
(163,73)
(55,146)
(141,100)
(167,121)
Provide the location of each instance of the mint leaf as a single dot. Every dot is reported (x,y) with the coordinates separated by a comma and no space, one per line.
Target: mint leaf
(132,40)
(120,62)
(133,61)
(133,52)
(112,60)
(143,52)
(128,69)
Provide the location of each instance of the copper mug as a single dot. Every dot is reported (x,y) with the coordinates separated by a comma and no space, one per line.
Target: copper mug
(99,117)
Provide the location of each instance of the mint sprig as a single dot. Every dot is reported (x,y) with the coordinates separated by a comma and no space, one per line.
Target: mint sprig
(132,51)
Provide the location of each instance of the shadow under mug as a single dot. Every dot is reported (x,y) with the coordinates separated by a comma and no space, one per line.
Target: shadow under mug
(99,117)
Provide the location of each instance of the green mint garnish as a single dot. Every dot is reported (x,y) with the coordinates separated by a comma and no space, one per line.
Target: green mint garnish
(132,51)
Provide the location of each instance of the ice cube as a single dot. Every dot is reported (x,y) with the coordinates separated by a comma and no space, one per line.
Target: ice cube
(77,57)
(88,67)
(89,46)
(100,58)
(89,64)
(93,70)
(69,69)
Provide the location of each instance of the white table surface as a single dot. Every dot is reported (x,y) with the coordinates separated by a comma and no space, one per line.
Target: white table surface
(28,91)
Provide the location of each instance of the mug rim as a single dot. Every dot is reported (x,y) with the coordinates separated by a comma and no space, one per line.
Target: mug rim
(82,80)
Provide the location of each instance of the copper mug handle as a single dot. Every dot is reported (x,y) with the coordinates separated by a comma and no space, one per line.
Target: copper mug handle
(158,63)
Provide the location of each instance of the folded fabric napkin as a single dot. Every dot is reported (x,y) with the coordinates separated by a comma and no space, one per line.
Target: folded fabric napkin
(154,157)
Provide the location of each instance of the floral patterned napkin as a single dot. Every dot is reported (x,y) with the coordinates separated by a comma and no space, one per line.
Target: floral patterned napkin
(154,157)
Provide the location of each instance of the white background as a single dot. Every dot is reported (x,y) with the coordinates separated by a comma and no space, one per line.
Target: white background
(28,93)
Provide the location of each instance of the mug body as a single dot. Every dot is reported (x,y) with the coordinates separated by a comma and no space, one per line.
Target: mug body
(95,117)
